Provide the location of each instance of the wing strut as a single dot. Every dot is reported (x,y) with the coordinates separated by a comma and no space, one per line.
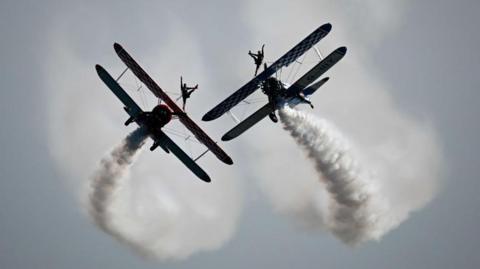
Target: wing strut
(317,51)
(121,74)
(184,119)
(201,155)
(235,119)
(253,84)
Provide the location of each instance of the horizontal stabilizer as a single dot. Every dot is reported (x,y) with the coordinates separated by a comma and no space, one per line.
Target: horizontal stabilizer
(312,88)
(317,71)
(184,119)
(253,84)
(164,148)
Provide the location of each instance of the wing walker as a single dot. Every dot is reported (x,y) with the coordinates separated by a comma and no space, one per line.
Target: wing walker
(153,121)
(279,95)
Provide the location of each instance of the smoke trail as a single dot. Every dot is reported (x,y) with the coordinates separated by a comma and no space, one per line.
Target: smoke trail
(165,212)
(400,150)
(105,180)
(356,212)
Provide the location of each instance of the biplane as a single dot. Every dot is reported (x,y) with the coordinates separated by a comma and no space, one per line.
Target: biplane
(153,121)
(279,93)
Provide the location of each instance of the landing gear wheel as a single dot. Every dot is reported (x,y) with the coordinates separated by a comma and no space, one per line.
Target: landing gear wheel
(273,117)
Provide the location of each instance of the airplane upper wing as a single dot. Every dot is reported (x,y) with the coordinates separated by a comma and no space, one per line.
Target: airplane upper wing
(252,85)
(248,122)
(189,123)
(263,112)
(144,77)
(131,107)
(317,71)
(161,138)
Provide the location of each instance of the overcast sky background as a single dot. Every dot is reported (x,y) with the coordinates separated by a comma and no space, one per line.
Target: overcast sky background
(426,58)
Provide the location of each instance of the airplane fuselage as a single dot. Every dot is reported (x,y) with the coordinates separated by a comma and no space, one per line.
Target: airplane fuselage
(156,119)
(277,93)
(153,120)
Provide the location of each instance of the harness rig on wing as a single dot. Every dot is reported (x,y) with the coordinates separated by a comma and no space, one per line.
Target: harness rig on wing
(279,93)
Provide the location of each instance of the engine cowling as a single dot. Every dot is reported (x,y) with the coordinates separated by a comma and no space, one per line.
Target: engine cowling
(163,114)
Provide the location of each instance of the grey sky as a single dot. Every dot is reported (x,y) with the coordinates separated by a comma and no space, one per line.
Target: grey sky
(429,63)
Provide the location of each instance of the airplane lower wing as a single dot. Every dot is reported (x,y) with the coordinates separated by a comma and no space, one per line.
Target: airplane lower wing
(131,107)
(184,119)
(161,138)
(205,139)
(316,71)
(267,109)
(248,122)
(253,84)
(300,85)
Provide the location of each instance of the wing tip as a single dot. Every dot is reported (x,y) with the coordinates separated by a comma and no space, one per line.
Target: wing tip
(206,178)
(207,117)
(99,68)
(228,160)
(226,137)
(342,50)
(327,27)
(117,47)
(101,72)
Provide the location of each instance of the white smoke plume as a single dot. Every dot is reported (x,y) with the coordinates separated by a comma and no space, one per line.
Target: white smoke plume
(159,207)
(401,152)
(355,211)
(163,206)
(107,179)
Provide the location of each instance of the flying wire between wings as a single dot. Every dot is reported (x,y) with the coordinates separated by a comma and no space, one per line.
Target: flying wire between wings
(253,84)
(184,119)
